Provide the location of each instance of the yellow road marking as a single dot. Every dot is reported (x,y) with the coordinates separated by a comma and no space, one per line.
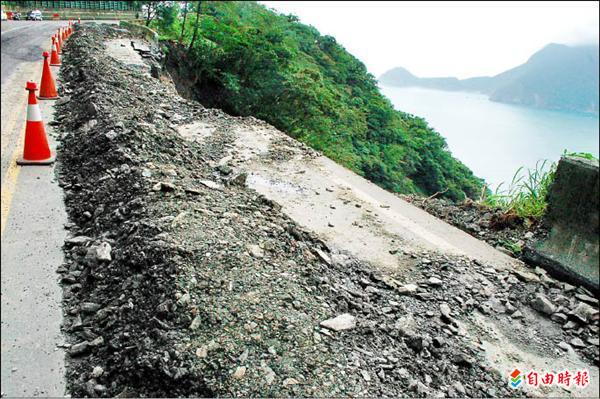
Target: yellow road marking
(8,187)
(12,122)
(9,183)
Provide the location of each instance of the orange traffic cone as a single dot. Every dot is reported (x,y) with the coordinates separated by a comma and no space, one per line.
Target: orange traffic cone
(47,86)
(64,33)
(59,40)
(54,58)
(36,150)
(78,21)
(58,49)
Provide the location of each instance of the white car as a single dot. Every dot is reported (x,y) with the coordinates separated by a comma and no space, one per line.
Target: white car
(4,17)
(35,15)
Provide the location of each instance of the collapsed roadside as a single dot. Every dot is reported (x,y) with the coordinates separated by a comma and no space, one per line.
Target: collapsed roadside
(504,231)
(181,281)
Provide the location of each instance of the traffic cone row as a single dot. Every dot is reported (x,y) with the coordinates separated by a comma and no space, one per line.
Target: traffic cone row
(36,150)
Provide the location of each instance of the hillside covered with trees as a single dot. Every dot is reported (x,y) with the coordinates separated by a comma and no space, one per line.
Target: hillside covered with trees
(249,60)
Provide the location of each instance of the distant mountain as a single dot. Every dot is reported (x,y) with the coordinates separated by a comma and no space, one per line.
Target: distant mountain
(556,77)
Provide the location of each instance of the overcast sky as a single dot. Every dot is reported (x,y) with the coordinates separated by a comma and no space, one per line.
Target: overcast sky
(461,39)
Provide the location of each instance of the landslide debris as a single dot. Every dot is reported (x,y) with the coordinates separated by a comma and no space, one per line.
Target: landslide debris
(506,232)
(180,281)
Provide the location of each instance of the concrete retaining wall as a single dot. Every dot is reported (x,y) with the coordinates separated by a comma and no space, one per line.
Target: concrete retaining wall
(571,249)
(140,30)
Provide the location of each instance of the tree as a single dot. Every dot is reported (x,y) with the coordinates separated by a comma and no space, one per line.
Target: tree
(199,3)
(166,15)
(185,12)
(148,9)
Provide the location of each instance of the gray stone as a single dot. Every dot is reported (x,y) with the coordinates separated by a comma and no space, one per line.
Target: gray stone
(526,277)
(559,317)
(210,184)
(585,312)
(434,281)
(90,307)
(97,372)
(406,325)
(342,322)
(517,314)
(564,346)
(225,169)
(239,180)
(103,251)
(79,349)
(79,240)
(415,342)
(99,388)
(239,372)
(290,381)
(586,298)
(407,289)
(255,251)
(269,375)
(196,322)
(365,375)
(458,387)
(202,352)
(445,311)
(185,299)
(570,325)
(164,187)
(542,304)
(323,256)
(577,342)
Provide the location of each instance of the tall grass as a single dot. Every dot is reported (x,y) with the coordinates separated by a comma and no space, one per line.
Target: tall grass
(525,196)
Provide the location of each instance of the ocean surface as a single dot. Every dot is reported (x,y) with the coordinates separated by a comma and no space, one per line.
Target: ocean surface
(495,139)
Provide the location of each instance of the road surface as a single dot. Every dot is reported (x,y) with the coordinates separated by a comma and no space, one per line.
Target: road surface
(33,218)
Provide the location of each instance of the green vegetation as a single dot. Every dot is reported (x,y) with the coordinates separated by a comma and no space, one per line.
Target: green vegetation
(249,60)
(585,155)
(526,194)
(512,246)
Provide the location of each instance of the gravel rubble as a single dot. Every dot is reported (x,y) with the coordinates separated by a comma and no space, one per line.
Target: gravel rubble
(180,281)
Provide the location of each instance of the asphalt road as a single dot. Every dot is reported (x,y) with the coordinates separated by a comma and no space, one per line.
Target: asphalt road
(33,219)
(24,41)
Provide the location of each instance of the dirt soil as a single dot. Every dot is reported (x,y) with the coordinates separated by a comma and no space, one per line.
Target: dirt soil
(182,281)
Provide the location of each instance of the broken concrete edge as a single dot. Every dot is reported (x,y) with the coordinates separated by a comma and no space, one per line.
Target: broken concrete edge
(140,30)
(573,195)
(557,270)
(570,251)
